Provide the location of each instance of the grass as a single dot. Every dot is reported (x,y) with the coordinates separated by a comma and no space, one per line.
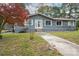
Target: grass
(72,36)
(19,44)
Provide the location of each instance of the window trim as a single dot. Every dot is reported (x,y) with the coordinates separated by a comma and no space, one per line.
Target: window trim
(31,22)
(61,23)
(69,23)
(50,22)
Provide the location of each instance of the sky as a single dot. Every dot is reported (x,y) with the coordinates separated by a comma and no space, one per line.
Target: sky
(32,7)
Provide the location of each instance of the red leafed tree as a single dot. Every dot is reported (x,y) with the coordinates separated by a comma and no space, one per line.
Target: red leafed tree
(12,13)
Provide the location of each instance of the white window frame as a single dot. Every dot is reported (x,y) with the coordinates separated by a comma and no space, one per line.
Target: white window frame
(61,23)
(69,23)
(73,23)
(50,22)
(36,24)
(32,22)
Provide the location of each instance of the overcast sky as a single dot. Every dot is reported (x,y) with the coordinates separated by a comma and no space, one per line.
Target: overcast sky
(32,7)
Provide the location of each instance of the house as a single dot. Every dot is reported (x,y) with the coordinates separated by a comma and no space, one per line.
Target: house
(16,28)
(39,22)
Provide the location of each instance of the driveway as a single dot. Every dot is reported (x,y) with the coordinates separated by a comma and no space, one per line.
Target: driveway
(64,46)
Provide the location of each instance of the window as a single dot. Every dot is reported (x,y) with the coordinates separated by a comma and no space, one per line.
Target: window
(58,22)
(48,22)
(65,23)
(38,23)
(70,23)
(31,22)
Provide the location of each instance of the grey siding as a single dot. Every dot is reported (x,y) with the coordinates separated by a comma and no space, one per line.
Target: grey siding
(54,26)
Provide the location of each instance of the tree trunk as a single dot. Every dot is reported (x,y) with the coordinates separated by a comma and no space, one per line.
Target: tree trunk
(0,34)
(13,30)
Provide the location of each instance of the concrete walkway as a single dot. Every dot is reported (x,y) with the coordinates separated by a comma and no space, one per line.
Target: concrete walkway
(65,47)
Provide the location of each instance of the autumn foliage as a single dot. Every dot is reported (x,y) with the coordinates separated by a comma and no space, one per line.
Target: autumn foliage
(13,13)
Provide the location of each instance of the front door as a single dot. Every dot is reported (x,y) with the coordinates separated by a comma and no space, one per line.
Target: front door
(38,24)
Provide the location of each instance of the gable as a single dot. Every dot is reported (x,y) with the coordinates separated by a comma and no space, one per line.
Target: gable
(40,17)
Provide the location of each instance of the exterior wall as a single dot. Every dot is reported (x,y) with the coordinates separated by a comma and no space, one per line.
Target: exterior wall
(8,26)
(19,28)
(16,27)
(53,27)
(62,27)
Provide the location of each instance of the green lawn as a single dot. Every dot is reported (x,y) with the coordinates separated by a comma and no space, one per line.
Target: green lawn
(72,36)
(19,44)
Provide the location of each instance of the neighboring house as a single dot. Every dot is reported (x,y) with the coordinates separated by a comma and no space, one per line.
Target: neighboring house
(39,22)
(17,28)
(8,26)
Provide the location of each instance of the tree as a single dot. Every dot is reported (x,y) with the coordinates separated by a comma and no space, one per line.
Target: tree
(12,13)
(47,10)
(53,11)
(56,11)
(71,9)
